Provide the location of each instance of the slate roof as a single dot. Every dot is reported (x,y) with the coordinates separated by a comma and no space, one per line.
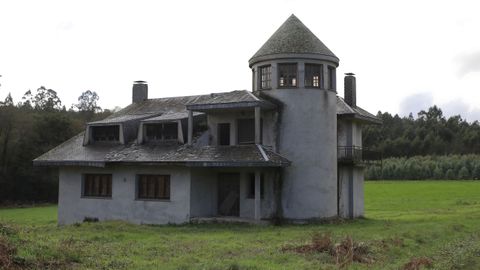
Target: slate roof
(73,153)
(174,105)
(345,110)
(293,37)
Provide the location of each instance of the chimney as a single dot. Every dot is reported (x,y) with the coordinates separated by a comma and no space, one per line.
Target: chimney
(350,85)
(139,91)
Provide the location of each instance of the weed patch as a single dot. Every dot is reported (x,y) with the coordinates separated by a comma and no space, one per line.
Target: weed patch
(417,263)
(344,253)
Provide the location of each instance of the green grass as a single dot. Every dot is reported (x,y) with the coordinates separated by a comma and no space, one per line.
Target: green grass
(404,220)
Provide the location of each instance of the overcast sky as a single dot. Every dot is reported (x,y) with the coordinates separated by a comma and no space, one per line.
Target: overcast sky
(407,55)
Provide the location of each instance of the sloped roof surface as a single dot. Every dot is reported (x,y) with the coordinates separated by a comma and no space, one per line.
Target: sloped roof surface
(72,152)
(346,110)
(293,37)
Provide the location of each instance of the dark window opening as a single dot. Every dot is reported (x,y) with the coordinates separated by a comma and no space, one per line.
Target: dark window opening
(105,133)
(224,134)
(314,75)
(161,132)
(246,131)
(97,185)
(153,187)
(287,75)
(265,77)
(331,78)
(251,186)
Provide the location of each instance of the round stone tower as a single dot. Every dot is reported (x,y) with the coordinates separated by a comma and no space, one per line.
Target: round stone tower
(297,71)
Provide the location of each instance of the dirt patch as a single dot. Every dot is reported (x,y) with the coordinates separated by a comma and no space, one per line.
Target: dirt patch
(344,253)
(7,253)
(417,263)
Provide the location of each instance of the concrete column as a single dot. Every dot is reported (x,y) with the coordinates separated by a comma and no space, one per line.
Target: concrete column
(190,127)
(258,134)
(257,195)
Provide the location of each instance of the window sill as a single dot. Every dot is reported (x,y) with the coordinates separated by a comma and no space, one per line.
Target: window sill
(152,200)
(96,197)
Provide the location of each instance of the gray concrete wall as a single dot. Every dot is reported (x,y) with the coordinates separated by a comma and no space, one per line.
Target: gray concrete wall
(247,205)
(351,193)
(308,138)
(73,208)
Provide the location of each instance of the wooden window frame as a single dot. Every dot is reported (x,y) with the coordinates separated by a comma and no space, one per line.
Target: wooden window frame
(148,180)
(279,67)
(92,180)
(267,77)
(162,128)
(238,131)
(309,71)
(106,130)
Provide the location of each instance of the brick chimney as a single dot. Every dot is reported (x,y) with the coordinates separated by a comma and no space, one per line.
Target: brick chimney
(139,91)
(350,85)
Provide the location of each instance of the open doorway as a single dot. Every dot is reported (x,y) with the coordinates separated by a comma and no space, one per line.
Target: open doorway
(229,194)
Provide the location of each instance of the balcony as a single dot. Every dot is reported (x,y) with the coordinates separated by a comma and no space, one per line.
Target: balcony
(357,155)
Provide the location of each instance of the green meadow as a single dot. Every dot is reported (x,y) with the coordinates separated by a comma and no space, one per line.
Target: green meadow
(406,222)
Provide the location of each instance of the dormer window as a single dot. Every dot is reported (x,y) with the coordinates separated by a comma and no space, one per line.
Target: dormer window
(287,75)
(161,132)
(105,133)
(266,77)
(314,75)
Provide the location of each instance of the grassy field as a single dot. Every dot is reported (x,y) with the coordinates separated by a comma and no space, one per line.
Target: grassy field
(435,220)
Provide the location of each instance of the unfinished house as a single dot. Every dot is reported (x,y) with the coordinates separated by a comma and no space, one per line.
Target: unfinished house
(290,148)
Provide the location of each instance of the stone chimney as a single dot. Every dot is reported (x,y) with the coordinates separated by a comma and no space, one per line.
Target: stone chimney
(139,91)
(350,85)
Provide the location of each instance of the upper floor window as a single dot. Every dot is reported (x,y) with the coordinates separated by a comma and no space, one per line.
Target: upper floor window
(331,78)
(246,130)
(287,75)
(314,75)
(105,133)
(266,77)
(97,185)
(161,132)
(153,187)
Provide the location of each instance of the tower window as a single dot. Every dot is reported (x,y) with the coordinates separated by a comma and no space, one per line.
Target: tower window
(287,75)
(331,78)
(314,75)
(266,77)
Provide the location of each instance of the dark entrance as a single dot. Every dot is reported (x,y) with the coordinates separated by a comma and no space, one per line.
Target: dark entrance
(229,194)
(224,134)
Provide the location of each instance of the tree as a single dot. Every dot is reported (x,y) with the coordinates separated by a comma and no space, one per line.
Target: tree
(44,100)
(87,102)
(8,101)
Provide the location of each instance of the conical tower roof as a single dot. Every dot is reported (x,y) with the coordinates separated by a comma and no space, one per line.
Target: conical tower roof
(293,37)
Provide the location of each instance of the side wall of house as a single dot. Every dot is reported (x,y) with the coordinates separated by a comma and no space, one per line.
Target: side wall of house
(350,177)
(123,205)
(350,193)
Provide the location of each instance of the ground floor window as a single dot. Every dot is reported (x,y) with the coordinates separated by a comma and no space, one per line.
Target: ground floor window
(251,185)
(97,185)
(153,187)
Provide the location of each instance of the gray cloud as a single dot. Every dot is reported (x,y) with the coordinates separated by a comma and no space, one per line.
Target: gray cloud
(468,62)
(422,101)
(415,103)
(460,107)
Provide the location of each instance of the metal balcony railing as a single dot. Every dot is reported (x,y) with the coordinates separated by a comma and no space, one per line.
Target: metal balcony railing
(357,155)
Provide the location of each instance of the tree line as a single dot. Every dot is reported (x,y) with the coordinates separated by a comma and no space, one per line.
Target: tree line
(429,146)
(30,128)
